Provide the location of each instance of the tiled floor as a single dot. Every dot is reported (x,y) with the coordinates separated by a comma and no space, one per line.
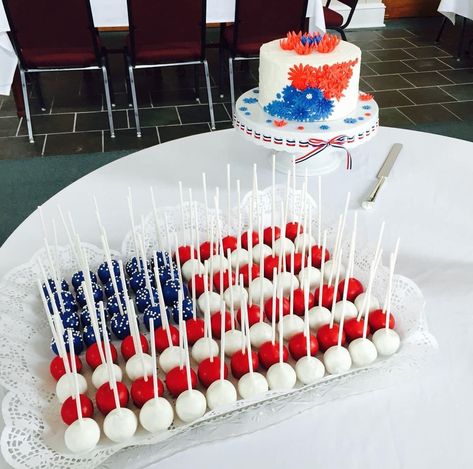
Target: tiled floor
(416,82)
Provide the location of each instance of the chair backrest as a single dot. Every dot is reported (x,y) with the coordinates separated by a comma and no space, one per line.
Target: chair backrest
(349,3)
(166,24)
(265,20)
(51,26)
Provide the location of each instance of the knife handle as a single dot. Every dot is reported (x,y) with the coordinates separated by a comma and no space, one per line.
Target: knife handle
(369,202)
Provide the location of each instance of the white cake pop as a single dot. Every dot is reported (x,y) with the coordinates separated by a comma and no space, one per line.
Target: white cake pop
(362,351)
(65,386)
(308,369)
(237,293)
(363,298)
(209,302)
(260,251)
(157,413)
(82,435)
(221,392)
(303,242)
(219,262)
(191,404)
(252,383)
(347,308)
(260,287)
(192,267)
(285,280)
(100,374)
(239,257)
(281,376)
(121,423)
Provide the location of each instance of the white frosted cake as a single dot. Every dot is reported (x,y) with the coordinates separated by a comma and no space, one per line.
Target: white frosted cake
(309,78)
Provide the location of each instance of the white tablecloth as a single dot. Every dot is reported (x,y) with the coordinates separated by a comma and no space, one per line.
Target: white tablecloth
(422,423)
(450,8)
(108,13)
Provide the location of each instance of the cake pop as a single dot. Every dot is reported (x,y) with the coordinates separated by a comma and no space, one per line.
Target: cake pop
(120,423)
(308,368)
(210,369)
(252,383)
(69,408)
(309,271)
(205,346)
(190,404)
(157,413)
(83,433)
(386,339)
(281,376)
(209,301)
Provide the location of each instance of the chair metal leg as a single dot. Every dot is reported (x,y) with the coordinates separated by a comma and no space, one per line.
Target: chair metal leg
(108,101)
(196,83)
(110,81)
(128,85)
(441,29)
(460,39)
(221,58)
(39,93)
(24,90)
(209,93)
(342,33)
(135,101)
(232,85)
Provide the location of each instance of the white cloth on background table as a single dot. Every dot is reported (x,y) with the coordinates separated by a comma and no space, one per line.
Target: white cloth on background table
(450,8)
(110,13)
(424,422)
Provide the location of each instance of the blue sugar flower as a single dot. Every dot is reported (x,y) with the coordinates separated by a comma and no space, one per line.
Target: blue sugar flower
(350,120)
(268,121)
(366,106)
(324,127)
(247,113)
(250,100)
(278,95)
(289,93)
(361,118)
(243,108)
(256,91)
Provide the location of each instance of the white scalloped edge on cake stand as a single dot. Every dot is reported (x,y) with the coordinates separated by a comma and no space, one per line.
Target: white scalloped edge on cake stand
(333,139)
(33,433)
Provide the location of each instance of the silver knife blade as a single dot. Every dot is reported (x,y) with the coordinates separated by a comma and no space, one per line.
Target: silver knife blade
(389,161)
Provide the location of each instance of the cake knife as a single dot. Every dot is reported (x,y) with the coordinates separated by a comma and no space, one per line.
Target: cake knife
(382,175)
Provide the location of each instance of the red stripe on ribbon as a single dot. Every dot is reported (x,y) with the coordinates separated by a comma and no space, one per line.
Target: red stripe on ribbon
(320,145)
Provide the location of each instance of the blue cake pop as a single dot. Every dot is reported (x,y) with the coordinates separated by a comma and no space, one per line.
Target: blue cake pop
(78,278)
(112,305)
(171,291)
(132,266)
(104,272)
(85,316)
(67,299)
(110,289)
(154,313)
(97,292)
(120,325)
(143,299)
(186,310)
(52,286)
(70,321)
(163,257)
(137,281)
(78,343)
(89,335)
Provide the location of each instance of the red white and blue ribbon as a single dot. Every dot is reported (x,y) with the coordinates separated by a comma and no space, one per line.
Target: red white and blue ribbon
(320,145)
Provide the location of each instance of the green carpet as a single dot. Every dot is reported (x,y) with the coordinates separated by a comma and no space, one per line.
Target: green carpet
(27,183)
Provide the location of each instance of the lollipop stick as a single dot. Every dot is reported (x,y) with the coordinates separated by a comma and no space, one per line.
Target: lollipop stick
(76,396)
(153,356)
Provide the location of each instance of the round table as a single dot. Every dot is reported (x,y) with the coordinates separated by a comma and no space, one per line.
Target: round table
(427,201)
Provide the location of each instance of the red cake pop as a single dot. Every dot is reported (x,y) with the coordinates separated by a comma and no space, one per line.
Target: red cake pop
(197,282)
(268,235)
(56,367)
(215,321)
(245,271)
(127,346)
(142,390)
(92,355)
(353,328)
(270,263)
(355,288)
(254,314)
(377,320)
(254,239)
(293,229)
(299,301)
(316,252)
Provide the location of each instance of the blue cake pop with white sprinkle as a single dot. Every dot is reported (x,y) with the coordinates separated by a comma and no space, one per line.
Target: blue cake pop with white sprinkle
(186,310)
(143,299)
(112,305)
(154,313)
(97,293)
(104,273)
(89,335)
(110,289)
(68,301)
(78,278)
(52,286)
(120,325)
(70,321)
(78,343)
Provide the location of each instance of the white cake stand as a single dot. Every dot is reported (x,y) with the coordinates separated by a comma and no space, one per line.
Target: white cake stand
(318,147)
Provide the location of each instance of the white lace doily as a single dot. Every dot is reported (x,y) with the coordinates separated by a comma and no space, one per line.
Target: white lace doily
(33,434)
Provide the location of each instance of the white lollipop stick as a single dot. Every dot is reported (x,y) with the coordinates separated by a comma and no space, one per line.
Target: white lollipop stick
(306,316)
(374,268)
(319,217)
(76,395)
(273,200)
(229,215)
(162,305)
(273,306)
(135,333)
(206,203)
(322,268)
(230,286)
(187,360)
(183,218)
(392,265)
(207,318)
(222,341)
(261,264)
(337,276)
(131,213)
(291,295)
(342,228)
(153,356)
(94,322)
(168,240)
(303,203)
(155,216)
(237,270)
(281,326)
(146,272)
(242,300)
(339,227)
(108,361)
(244,314)
(69,237)
(250,252)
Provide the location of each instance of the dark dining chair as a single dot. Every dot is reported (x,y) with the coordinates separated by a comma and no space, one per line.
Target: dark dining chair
(55,36)
(257,22)
(166,34)
(335,21)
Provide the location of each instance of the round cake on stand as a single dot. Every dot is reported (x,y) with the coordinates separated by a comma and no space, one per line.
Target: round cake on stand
(308,106)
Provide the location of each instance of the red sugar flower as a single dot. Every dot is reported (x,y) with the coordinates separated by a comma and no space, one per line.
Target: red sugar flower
(291,40)
(366,97)
(302,49)
(367,114)
(301,127)
(280,123)
(328,43)
(300,76)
